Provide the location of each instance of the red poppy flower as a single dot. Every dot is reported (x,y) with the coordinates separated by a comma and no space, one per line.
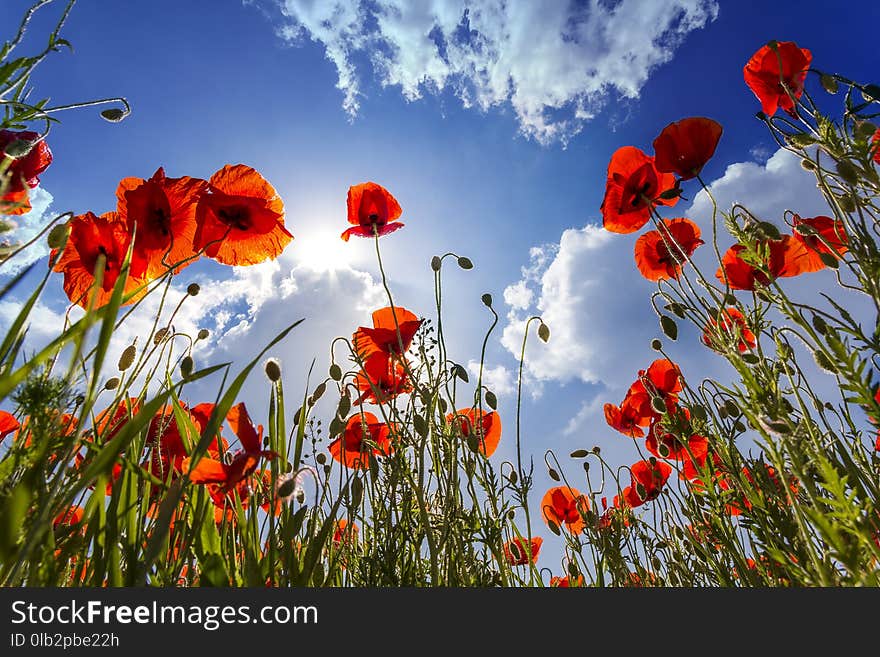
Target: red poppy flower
(487,427)
(685,146)
(13,203)
(372,210)
(345,532)
(243,463)
(647,480)
(628,418)
(71,516)
(662,254)
(163,212)
(381,379)
(732,325)
(564,507)
(875,144)
(383,337)
(567,582)
(663,377)
(351,448)
(8,424)
(771,68)
(241,219)
(91,237)
(783,257)
(817,234)
(23,172)
(634,185)
(668,446)
(516,554)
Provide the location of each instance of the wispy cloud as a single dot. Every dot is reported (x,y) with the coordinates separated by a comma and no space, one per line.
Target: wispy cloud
(28,226)
(555,63)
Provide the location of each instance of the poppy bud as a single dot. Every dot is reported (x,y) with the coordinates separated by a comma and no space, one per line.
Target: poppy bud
(491,400)
(675,192)
(113,115)
(273,370)
(512,478)
(18,148)
(865,130)
(319,391)
(287,487)
(127,357)
(203,334)
(193,289)
(160,335)
(871,93)
(808,165)
(579,454)
(829,83)
(544,332)
(656,345)
(658,404)
(436,263)
(186,366)
(321,459)
(487,300)
(848,172)
(57,237)
(847,204)
(465,263)
(335,372)
(112,383)
(670,328)
(553,474)
(586,465)
(801,140)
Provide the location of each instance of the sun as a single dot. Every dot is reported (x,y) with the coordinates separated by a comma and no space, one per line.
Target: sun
(322,250)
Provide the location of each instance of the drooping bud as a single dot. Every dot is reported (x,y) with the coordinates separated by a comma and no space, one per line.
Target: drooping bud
(465,263)
(112,383)
(186,366)
(203,334)
(829,83)
(18,148)
(57,237)
(273,370)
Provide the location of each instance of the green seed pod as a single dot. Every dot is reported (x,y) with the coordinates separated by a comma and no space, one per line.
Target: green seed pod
(193,289)
(436,263)
(18,148)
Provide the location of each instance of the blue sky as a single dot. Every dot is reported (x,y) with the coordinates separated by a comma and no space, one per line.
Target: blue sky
(512,183)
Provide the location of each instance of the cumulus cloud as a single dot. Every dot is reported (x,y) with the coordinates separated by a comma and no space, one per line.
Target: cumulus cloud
(555,63)
(28,226)
(595,302)
(498,379)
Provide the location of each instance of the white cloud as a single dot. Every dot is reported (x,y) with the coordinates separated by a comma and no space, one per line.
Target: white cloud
(556,63)
(597,305)
(498,379)
(29,226)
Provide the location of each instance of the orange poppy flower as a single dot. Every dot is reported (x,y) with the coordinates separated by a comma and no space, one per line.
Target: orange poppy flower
(13,203)
(817,234)
(634,413)
(351,448)
(646,482)
(567,582)
(634,185)
(227,475)
(8,424)
(516,554)
(91,237)
(769,68)
(668,446)
(784,257)
(163,213)
(685,146)
(732,324)
(345,532)
(487,426)
(111,420)
(23,172)
(661,255)
(875,144)
(372,210)
(564,507)
(241,219)
(381,379)
(383,337)
(71,516)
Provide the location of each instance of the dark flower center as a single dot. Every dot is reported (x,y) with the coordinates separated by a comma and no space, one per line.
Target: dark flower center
(236,216)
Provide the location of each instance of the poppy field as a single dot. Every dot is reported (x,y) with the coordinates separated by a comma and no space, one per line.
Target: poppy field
(113,474)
